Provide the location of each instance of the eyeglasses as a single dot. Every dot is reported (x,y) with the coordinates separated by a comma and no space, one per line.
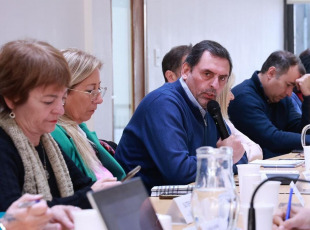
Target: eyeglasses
(93,93)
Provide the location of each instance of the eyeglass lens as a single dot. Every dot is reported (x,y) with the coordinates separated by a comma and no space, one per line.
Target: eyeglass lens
(97,92)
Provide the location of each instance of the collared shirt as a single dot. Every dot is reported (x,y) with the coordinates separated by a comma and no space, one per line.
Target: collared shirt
(191,97)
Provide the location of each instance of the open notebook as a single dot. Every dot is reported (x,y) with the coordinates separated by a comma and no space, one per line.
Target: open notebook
(126,206)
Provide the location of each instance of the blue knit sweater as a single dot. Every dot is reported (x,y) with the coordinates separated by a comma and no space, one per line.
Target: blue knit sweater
(163,135)
(276,127)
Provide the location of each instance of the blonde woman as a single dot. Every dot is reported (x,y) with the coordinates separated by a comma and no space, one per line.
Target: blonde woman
(34,79)
(252,149)
(71,133)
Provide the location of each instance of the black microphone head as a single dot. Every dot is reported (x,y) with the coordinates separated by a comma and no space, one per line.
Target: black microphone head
(213,107)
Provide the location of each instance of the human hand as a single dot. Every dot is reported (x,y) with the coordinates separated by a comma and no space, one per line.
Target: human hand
(62,217)
(52,226)
(278,218)
(34,217)
(236,145)
(105,183)
(299,219)
(303,84)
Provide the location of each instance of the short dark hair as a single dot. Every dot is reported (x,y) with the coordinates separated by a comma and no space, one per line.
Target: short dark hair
(213,48)
(27,64)
(282,60)
(305,59)
(173,59)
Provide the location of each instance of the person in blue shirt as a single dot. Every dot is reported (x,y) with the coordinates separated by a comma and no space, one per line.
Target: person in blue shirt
(263,110)
(172,122)
(297,103)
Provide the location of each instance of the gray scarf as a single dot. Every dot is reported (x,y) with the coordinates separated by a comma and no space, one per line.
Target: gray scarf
(35,181)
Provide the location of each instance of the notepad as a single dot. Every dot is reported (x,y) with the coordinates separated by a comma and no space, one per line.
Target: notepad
(278,163)
(172,189)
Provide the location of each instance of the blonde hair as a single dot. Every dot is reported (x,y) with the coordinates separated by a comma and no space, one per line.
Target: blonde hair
(81,65)
(223,99)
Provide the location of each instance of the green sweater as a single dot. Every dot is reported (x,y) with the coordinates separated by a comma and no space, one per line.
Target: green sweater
(67,145)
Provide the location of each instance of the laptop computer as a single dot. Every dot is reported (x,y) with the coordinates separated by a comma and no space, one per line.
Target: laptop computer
(126,206)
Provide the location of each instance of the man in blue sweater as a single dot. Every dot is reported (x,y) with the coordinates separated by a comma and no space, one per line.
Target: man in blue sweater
(263,109)
(171,122)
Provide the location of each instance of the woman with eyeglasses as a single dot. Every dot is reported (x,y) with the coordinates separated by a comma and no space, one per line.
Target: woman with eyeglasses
(71,133)
(34,77)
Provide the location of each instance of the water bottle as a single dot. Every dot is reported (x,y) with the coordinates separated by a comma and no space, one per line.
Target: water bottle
(215,203)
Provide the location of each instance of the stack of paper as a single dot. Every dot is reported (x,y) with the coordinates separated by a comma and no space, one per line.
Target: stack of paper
(278,163)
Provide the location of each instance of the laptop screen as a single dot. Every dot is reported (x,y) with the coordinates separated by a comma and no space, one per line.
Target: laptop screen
(126,206)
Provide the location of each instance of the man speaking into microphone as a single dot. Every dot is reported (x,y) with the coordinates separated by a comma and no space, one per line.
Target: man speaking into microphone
(172,121)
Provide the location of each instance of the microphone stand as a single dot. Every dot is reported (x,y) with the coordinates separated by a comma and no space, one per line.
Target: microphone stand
(251,215)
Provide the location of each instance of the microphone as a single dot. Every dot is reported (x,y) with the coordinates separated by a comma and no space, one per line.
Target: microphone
(214,109)
(251,215)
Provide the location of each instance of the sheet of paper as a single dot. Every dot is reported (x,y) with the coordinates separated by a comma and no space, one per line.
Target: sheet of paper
(278,163)
(180,210)
(297,193)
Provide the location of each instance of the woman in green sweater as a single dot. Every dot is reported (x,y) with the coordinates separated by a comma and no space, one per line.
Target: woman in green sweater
(71,133)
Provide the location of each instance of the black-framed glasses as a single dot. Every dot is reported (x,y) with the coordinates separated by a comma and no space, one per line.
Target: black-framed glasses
(93,93)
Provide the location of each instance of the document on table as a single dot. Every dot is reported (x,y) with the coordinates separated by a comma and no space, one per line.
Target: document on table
(278,163)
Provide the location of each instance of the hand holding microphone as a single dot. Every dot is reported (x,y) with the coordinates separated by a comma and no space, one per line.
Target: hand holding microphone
(214,109)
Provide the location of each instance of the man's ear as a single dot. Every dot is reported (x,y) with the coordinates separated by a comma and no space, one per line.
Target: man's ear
(186,69)
(9,103)
(272,72)
(170,76)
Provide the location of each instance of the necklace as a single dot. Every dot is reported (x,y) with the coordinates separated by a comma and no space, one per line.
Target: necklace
(44,163)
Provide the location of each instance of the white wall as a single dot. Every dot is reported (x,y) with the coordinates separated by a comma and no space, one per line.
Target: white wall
(84,24)
(102,48)
(58,22)
(250,30)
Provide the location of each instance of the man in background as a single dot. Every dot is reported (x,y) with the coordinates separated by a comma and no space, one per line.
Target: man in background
(263,110)
(297,96)
(171,122)
(172,62)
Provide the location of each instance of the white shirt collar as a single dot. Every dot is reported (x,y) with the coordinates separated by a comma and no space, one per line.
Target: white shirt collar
(191,97)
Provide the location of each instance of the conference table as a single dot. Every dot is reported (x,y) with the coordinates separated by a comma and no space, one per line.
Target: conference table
(161,206)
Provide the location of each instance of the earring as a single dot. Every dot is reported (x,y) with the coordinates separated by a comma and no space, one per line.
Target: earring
(12,115)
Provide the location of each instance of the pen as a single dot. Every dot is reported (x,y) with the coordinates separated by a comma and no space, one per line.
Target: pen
(27,203)
(288,210)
